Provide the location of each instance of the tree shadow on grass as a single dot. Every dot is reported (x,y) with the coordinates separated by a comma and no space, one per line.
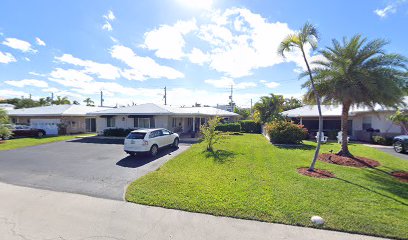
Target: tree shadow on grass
(220,156)
(386,183)
(295,146)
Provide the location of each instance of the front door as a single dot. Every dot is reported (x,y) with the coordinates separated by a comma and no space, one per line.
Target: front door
(90,124)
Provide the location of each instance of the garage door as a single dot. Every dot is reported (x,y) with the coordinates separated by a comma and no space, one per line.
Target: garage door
(50,126)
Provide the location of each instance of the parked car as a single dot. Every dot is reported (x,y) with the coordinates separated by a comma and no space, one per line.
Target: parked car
(26,131)
(150,141)
(400,143)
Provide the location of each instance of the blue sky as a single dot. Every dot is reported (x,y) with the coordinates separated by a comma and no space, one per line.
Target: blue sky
(131,50)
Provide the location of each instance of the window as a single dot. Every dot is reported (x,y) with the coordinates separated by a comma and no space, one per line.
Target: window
(110,121)
(174,123)
(366,123)
(136,135)
(143,122)
(156,133)
(189,121)
(165,132)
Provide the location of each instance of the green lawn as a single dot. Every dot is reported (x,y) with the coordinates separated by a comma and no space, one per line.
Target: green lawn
(252,179)
(26,142)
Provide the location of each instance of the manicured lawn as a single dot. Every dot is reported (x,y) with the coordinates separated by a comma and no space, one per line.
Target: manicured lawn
(26,142)
(252,179)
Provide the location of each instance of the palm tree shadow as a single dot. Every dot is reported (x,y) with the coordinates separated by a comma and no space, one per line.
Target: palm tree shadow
(220,156)
(295,146)
(386,183)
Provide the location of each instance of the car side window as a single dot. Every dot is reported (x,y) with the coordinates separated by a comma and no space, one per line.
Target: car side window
(165,132)
(155,134)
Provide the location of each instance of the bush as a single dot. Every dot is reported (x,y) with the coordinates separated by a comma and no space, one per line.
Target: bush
(228,127)
(210,134)
(5,132)
(116,132)
(380,140)
(286,132)
(250,126)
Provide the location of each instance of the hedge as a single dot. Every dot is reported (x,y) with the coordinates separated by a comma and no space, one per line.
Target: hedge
(284,132)
(250,126)
(382,140)
(116,132)
(228,127)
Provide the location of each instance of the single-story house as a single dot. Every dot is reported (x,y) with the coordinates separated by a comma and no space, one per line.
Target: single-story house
(363,122)
(150,115)
(6,106)
(57,119)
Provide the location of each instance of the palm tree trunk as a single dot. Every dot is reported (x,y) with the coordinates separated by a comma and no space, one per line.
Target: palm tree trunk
(316,155)
(344,129)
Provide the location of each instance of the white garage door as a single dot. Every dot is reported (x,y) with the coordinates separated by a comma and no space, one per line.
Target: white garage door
(50,126)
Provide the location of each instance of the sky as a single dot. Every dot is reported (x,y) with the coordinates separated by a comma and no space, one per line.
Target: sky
(197,49)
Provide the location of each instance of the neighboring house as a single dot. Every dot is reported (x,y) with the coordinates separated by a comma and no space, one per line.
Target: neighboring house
(363,122)
(150,115)
(7,106)
(70,118)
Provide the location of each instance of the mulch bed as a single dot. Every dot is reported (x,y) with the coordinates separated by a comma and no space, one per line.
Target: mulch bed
(347,161)
(318,173)
(400,175)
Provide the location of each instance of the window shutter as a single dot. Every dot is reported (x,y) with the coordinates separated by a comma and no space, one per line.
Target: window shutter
(136,122)
(152,125)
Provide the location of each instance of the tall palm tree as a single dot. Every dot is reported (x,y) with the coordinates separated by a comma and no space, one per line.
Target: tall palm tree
(308,35)
(358,72)
(89,102)
(269,107)
(61,101)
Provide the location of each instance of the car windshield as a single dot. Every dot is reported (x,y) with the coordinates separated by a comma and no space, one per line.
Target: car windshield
(136,135)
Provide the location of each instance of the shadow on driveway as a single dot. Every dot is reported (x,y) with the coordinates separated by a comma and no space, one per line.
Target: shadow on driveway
(98,140)
(144,158)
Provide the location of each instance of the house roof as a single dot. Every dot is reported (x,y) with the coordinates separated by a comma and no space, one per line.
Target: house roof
(330,111)
(55,110)
(155,109)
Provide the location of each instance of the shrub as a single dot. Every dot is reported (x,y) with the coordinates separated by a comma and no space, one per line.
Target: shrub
(286,132)
(210,134)
(228,127)
(250,126)
(382,140)
(116,132)
(5,132)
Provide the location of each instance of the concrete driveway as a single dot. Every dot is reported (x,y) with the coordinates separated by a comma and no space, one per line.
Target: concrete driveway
(389,150)
(90,166)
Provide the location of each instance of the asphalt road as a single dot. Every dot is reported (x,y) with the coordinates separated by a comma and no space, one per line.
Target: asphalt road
(389,150)
(90,166)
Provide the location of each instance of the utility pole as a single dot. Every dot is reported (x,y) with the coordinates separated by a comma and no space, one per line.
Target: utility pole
(250,111)
(231,102)
(29,95)
(165,96)
(52,98)
(102,98)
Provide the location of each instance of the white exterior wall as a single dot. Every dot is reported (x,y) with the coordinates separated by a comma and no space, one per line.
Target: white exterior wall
(378,121)
(161,121)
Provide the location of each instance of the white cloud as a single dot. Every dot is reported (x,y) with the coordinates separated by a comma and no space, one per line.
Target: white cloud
(226,82)
(198,57)
(142,68)
(27,82)
(37,74)
(70,75)
(19,45)
(197,4)
(109,16)
(27,59)
(269,84)
(7,57)
(101,70)
(168,41)
(39,41)
(391,8)
(107,26)
(7,93)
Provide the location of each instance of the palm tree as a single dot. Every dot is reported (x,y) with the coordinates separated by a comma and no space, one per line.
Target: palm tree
(89,102)
(307,35)
(358,72)
(269,107)
(61,101)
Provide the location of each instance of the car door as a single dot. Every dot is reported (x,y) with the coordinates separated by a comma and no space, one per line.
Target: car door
(167,137)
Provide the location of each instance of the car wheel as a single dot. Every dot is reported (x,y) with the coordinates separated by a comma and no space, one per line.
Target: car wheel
(40,134)
(154,150)
(176,143)
(398,147)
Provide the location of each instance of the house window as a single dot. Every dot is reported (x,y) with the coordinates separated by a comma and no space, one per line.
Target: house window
(110,121)
(174,123)
(367,123)
(189,121)
(143,122)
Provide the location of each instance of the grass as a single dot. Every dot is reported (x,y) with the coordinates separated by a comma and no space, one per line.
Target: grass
(27,142)
(249,178)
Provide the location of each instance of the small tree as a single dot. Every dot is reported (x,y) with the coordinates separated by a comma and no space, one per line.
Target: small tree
(210,135)
(5,132)
(400,118)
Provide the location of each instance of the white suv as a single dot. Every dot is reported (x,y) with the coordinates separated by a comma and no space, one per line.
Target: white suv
(150,140)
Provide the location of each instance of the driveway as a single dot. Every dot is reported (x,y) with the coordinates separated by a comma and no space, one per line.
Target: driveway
(389,150)
(90,166)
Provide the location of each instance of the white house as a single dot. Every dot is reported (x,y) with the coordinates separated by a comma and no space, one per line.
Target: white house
(75,118)
(363,122)
(7,106)
(150,115)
